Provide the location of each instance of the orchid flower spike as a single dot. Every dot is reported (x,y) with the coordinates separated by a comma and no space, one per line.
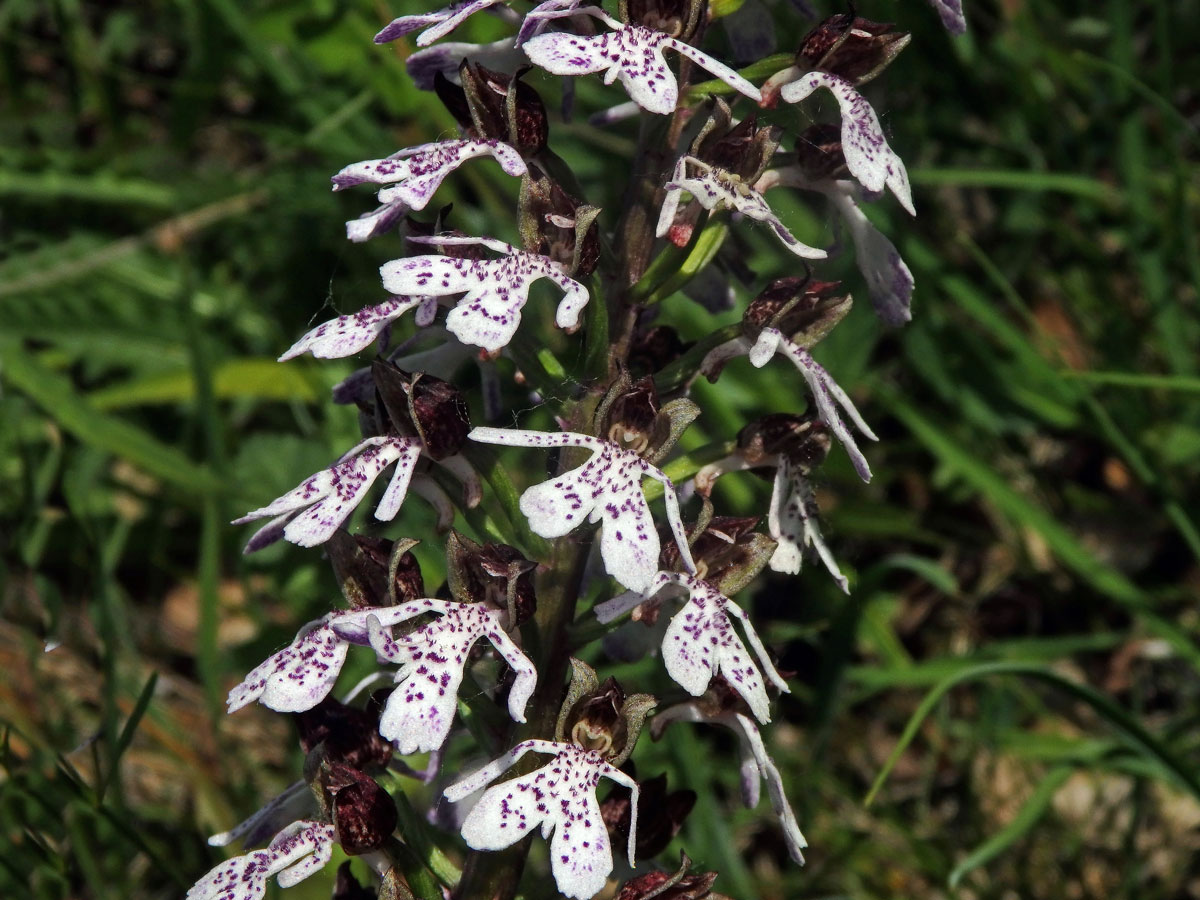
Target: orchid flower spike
(561,798)
(414,175)
(297,852)
(756,765)
(631,54)
(418,714)
(436,24)
(701,643)
(715,188)
(494,290)
(868,156)
(605,489)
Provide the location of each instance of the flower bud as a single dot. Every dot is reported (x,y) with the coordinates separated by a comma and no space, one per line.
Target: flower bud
(851,47)
(434,409)
(804,440)
(661,886)
(496,574)
(742,149)
(801,308)
(819,153)
(501,107)
(683,885)
(364,566)
(555,224)
(350,735)
(364,814)
(660,814)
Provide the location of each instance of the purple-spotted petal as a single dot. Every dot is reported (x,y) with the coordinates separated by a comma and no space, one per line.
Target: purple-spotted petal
(629,542)
(378,221)
(792,522)
(299,676)
(558,507)
(403,25)
(500,56)
(419,713)
(752,738)
(347,335)
(436,24)
(827,394)
(606,489)
(325,500)
(700,642)
(889,280)
(722,71)
(756,765)
(633,55)
(240,878)
(494,290)
(951,13)
(300,851)
(295,853)
(559,797)
(537,18)
(415,174)
(869,157)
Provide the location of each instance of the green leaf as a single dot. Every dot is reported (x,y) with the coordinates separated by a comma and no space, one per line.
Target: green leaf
(261,379)
(58,398)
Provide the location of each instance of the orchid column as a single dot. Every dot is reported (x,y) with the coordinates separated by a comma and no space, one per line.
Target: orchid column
(570,482)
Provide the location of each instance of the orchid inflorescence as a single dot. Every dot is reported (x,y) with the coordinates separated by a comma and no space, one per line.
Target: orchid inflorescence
(590,528)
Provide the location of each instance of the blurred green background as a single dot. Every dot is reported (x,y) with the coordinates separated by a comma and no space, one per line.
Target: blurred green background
(167,229)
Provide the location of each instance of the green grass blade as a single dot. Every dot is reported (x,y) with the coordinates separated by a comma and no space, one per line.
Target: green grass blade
(1028,816)
(126,735)
(1136,380)
(1057,182)
(1120,719)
